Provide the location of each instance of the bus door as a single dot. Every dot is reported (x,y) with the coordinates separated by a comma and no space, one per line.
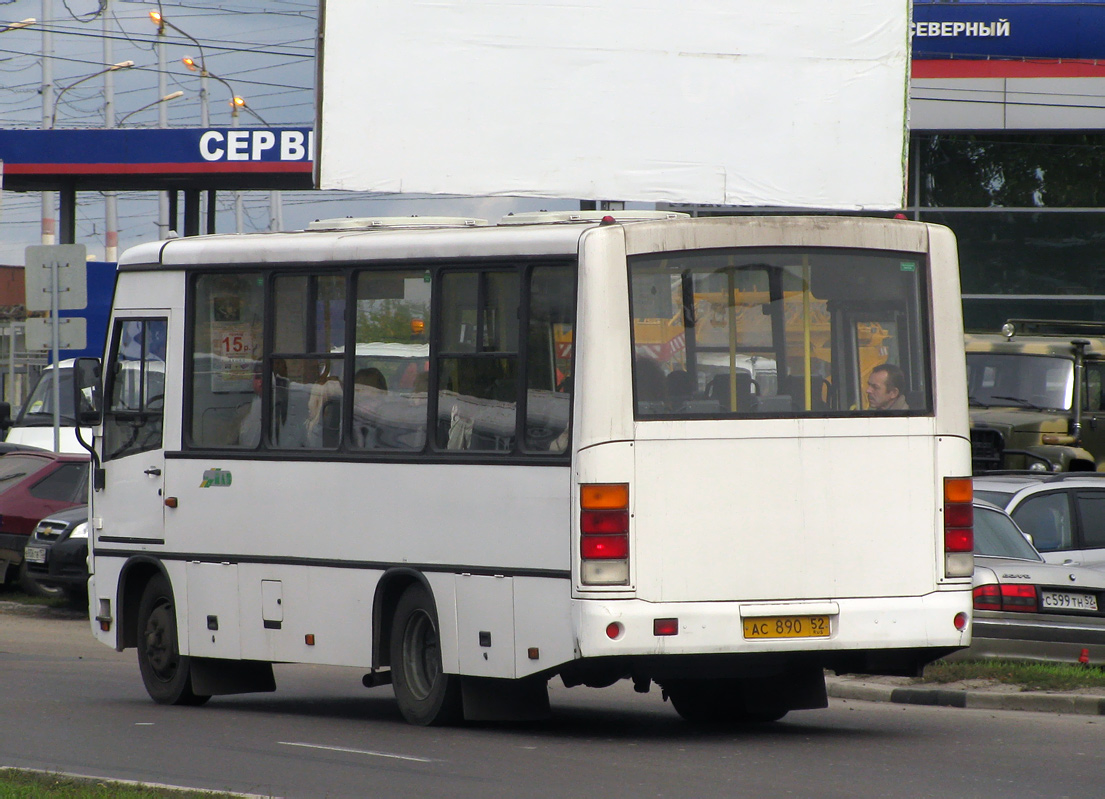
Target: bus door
(131,447)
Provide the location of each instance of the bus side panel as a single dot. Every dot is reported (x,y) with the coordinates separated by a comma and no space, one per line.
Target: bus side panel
(281,604)
(792,516)
(604,401)
(952,413)
(326,531)
(543,631)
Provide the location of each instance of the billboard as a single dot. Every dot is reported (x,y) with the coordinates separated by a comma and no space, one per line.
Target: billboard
(1008,29)
(741,102)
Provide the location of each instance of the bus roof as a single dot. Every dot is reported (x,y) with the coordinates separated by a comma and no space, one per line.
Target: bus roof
(554,234)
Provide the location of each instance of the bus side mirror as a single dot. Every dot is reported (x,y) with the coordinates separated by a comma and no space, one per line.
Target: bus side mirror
(5,417)
(86,391)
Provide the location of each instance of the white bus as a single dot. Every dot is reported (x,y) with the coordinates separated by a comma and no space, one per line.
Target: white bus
(538,480)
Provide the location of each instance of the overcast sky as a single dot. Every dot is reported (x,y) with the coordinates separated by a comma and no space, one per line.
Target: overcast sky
(265,50)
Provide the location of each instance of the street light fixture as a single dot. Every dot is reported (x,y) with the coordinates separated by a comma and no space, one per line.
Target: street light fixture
(159,100)
(57,100)
(14,26)
(240,102)
(158,19)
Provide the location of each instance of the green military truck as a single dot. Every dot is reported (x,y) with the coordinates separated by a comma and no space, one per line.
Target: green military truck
(1035,393)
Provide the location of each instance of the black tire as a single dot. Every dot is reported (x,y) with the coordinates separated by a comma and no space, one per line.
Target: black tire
(165,672)
(726,701)
(426,695)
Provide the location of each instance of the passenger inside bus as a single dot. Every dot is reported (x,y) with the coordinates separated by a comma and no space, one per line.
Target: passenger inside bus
(886,389)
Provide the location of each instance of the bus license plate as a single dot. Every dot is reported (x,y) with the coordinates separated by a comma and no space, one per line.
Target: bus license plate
(35,554)
(1065,600)
(787,627)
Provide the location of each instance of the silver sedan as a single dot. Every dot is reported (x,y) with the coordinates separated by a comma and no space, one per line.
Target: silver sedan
(1027,609)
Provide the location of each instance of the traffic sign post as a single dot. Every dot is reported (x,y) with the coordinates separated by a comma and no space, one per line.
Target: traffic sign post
(56,279)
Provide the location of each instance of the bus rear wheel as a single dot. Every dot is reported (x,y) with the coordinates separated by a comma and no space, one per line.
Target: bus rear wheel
(426,695)
(723,701)
(165,672)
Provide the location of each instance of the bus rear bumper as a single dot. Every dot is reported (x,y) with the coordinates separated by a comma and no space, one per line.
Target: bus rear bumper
(863,635)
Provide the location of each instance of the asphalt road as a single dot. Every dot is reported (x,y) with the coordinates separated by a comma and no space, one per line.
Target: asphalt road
(70,705)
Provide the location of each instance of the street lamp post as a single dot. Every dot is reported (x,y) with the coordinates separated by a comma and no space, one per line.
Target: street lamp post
(60,94)
(162,23)
(159,100)
(14,26)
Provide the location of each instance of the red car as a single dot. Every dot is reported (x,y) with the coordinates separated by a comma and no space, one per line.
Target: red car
(34,484)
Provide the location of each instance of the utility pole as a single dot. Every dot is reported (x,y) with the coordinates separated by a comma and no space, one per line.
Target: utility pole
(111,207)
(49,222)
(162,122)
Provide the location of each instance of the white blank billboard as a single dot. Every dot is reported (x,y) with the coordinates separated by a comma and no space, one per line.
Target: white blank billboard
(740,102)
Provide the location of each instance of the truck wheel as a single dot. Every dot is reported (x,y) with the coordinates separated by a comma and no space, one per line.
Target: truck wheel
(426,695)
(165,672)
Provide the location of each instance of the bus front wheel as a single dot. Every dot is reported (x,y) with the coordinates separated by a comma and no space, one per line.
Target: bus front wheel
(426,695)
(165,672)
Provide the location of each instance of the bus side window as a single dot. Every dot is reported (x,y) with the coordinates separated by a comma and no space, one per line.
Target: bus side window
(225,361)
(549,358)
(478,361)
(390,377)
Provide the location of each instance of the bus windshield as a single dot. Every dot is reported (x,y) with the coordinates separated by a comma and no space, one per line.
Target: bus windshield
(777,332)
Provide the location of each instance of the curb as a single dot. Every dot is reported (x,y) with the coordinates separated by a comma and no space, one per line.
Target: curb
(1074,704)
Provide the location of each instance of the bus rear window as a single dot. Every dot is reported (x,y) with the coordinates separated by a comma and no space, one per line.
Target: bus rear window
(779,332)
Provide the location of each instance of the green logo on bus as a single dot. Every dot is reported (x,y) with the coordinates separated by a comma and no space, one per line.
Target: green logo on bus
(215,478)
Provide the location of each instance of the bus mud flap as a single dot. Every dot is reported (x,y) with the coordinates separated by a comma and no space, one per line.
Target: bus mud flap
(217,676)
(492,699)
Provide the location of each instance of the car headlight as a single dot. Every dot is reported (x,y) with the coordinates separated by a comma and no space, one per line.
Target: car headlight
(80,531)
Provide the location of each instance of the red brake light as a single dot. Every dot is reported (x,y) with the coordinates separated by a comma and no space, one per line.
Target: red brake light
(1009,598)
(987,597)
(960,539)
(604,522)
(1019,597)
(604,546)
(959,516)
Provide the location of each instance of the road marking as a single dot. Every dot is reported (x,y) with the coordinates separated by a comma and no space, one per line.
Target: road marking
(368,752)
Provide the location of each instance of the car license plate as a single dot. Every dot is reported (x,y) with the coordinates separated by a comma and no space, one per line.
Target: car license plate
(1065,600)
(35,554)
(787,627)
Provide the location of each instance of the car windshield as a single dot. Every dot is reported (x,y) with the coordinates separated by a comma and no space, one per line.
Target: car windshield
(1021,381)
(997,536)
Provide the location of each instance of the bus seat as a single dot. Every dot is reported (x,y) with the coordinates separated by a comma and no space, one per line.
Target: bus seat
(718,390)
(331,422)
(795,386)
(680,387)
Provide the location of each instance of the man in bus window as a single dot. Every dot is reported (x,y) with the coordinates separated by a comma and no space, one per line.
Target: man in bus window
(884,389)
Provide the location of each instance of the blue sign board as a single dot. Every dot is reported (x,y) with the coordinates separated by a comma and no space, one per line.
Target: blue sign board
(1008,29)
(144,157)
(101,287)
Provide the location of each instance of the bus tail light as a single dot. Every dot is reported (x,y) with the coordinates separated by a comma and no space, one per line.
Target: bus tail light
(604,533)
(959,539)
(1009,598)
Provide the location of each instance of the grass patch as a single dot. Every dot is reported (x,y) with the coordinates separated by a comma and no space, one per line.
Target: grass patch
(15,784)
(1030,676)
